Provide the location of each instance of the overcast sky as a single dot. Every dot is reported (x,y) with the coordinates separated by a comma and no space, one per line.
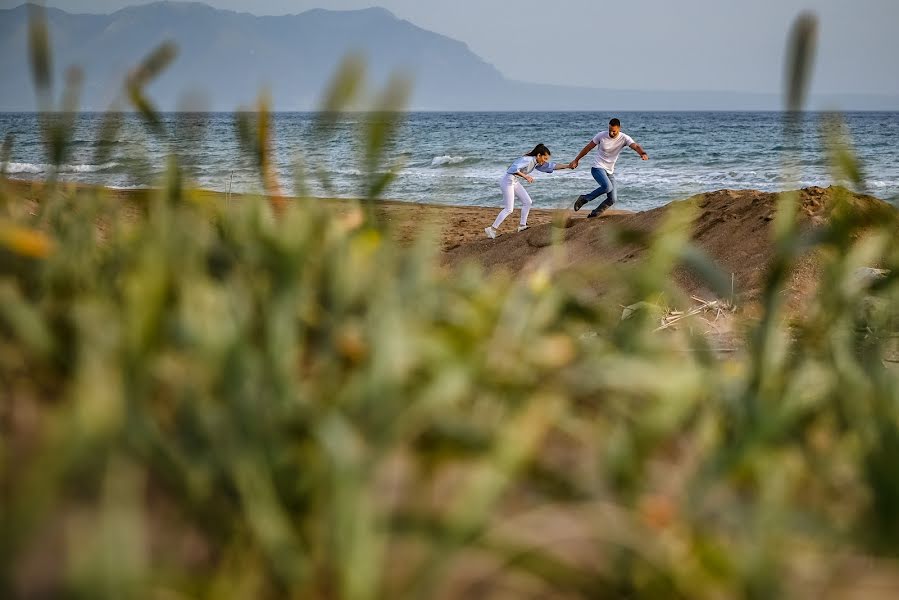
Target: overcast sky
(733,45)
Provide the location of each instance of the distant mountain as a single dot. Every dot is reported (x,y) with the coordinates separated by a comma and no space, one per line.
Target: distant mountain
(231,56)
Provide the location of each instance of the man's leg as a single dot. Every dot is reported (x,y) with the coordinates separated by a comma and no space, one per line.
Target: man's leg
(605,186)
(611,198)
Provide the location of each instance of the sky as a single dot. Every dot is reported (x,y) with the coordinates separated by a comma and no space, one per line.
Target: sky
(693,45)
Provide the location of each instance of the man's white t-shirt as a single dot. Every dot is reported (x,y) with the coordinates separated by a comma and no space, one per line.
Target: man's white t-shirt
(608,149)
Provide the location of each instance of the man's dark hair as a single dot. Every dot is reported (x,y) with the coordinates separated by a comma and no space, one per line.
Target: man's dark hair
(614,123)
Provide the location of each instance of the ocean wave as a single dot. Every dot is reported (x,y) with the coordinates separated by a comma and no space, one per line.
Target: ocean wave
(38,168)
(883,184)
(447,160)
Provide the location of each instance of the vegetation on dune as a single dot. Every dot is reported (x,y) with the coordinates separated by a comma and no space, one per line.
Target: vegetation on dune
(258,400)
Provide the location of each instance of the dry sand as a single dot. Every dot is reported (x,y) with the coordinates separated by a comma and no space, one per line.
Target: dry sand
(733,227)
(456,225)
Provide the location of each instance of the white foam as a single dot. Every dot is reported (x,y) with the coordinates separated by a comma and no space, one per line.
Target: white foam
(87,168)
(14,168)
(446,159)
(883,184)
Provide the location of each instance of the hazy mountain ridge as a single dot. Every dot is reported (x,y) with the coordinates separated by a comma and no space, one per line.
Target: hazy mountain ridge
(231,56)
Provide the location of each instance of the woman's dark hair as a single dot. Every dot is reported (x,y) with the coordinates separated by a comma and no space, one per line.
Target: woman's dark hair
(539,149)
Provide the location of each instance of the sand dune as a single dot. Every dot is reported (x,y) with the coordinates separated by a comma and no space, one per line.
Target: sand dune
(733,227)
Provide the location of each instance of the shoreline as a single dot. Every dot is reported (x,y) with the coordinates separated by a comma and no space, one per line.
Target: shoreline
(733,228)
(454,225)
(457,159)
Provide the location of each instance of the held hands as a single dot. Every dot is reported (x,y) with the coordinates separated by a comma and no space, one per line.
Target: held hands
(573,164)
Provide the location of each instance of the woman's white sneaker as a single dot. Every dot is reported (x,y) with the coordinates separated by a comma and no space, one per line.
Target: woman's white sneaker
(522,228)
(491,232)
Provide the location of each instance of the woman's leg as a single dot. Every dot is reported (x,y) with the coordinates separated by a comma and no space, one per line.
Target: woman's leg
(508,188)
(525,202)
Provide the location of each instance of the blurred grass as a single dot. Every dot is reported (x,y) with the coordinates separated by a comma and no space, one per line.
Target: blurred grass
(254,399)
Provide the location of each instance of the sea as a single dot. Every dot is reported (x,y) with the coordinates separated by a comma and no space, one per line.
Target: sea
(458,158)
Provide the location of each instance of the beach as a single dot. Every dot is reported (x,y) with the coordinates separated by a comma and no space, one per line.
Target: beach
(274,323)
(733,228)
(457,159)
(455,225)
(218,336)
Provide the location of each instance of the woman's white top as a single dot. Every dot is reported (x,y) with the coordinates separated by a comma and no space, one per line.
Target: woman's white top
(526,164)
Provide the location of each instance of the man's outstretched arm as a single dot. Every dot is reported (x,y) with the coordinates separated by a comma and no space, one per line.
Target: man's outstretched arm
(573,164)
(639,150)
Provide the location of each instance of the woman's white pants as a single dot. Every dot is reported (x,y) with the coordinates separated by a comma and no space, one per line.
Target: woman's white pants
(511,188)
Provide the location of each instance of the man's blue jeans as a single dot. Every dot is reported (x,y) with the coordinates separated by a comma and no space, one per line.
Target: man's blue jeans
(606,186)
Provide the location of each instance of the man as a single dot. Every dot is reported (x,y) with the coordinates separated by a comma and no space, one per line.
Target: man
(610,144)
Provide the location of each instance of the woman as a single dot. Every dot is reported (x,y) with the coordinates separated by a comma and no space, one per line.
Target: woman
(538,159)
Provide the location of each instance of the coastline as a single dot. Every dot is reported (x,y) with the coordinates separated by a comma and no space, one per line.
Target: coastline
(455,225)
(734,228)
